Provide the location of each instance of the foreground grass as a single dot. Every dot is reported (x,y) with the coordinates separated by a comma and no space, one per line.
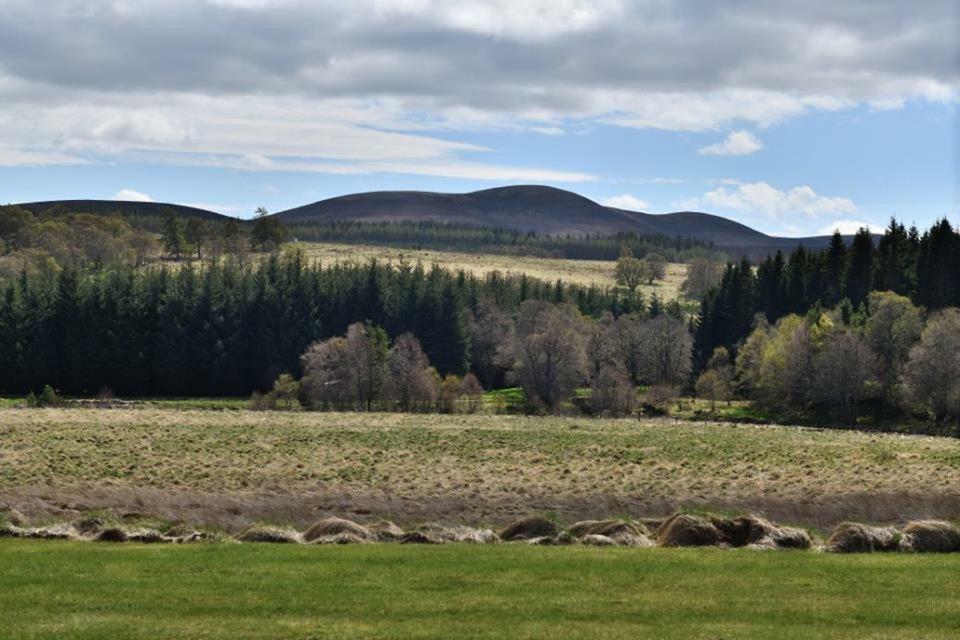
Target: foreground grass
(67,590)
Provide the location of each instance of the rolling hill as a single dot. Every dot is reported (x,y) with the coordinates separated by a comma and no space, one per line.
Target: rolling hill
(545,210)
(123,207)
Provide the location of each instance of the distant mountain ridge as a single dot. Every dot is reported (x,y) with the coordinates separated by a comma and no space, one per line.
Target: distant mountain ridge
(544,210)
(123,207)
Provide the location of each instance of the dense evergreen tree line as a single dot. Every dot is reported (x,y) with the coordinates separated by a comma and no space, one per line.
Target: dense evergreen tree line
(924,267)
(438,235)
(218,329)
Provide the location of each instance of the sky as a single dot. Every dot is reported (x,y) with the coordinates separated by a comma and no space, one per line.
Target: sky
(795,118)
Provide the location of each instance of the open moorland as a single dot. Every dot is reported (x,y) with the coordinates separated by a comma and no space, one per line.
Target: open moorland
(582,272)
(233,468)
(371,591)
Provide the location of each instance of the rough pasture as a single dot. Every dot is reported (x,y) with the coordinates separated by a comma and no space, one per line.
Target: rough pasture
(233,468)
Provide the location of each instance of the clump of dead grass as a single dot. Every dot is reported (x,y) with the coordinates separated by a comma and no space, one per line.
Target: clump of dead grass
(932,536)
(528,528)
(753,530)
(419,537)
(338,538)
(597,540)
(854,537)
(333,526)
(269,534)
(621,532)
(686,530)
(386,531)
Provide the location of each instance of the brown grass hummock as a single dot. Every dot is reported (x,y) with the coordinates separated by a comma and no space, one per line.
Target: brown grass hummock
(333,526)
(275,535)
(529,528)
(930,536)
(628,534)
(853,537)
(685,530)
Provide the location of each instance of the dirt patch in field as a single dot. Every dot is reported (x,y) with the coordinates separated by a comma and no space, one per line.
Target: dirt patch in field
(235,511)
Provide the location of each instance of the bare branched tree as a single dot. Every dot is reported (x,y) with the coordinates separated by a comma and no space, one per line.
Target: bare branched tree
(410,384)
(549,358)
(932,374)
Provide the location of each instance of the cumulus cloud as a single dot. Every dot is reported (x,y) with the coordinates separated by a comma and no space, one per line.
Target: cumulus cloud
(848,227)
(737,143)
(373,83)
(625,201)
(131,195)
(762,198)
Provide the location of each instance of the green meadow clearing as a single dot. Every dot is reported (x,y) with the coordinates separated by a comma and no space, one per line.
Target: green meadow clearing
(54,589)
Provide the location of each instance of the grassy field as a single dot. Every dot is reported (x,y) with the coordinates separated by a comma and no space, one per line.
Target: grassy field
(585,272)
(232,467)
(83,590)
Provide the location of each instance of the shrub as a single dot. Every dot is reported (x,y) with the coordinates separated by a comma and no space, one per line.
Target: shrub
(49,398)
(612,394)
(285,392)
(472,392)
(262,401)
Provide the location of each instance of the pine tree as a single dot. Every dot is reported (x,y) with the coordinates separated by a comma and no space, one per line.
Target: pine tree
(859,273)
(836,260)
(197,233)
(894,255)
(172,235)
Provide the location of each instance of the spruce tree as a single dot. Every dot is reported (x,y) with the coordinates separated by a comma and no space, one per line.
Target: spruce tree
(172,235)
(836,261)
(859,272)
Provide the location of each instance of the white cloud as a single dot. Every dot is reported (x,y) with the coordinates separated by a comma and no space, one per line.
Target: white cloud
(10,157)
(531,20)
(737,143)
(548,131)
(625,201)
(848,227)
(250,78)
(131,196)
(706,111)
(762,198)
(445,168)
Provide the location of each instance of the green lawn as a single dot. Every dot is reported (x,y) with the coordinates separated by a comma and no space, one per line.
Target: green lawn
(95,590)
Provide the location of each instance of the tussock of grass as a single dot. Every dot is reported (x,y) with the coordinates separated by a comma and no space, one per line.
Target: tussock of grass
(935,536)
(528,528)
(679,530)
(854,537)
(273,535)
(333,526)
(687,530)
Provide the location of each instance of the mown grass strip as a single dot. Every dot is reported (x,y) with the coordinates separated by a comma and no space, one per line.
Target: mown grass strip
(61,590)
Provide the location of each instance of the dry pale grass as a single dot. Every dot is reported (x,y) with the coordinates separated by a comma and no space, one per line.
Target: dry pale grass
(931,536)
(855,537)
(584,272)
(237,468)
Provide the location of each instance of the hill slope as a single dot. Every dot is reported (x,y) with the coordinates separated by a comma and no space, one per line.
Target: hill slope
(546,210)
(123,207)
